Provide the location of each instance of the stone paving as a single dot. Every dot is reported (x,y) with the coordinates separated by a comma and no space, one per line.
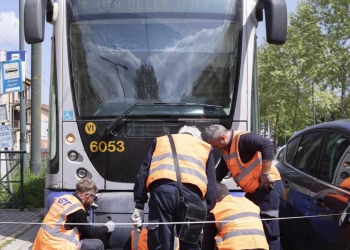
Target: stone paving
(18,228)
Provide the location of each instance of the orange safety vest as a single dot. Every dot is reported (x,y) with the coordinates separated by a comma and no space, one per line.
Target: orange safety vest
(238,224)
(140,241)
(192,153)
(246,175)
(52,234)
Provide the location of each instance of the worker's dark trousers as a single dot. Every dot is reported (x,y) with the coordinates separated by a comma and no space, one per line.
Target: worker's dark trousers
(269,208)
(91,244)
(100,243)
(163,207)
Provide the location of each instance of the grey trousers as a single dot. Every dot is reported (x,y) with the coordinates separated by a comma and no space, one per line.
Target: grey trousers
(90,244)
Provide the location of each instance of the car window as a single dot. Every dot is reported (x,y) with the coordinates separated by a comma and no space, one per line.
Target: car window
(291,148)
(307,153)
(336,146)
(280,154)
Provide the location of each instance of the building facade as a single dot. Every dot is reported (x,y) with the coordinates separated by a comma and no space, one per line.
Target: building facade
(12,101)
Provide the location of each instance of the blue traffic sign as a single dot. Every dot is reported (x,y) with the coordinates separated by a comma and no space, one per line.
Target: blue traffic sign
(11,76)
(16,55)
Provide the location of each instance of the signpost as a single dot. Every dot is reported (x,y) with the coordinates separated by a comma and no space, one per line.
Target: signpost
(12,78)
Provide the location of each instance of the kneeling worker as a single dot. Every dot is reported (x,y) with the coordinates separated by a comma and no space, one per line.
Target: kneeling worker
(238,224)
(66,227)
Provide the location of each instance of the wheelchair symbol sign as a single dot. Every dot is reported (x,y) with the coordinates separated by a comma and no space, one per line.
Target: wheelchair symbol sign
(68,115)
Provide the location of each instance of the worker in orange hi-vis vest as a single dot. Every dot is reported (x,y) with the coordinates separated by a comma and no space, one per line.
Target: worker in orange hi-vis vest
(237,224)
(157,175)
(65,226)
(248,157)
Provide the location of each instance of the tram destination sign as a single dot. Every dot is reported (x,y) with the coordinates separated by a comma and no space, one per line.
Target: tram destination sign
(132,6)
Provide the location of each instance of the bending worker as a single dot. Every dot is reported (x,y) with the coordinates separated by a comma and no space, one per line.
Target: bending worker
(237,224)
(65,226)
(157,175)
(248,157)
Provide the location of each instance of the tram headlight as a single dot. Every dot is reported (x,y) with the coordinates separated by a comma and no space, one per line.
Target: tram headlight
(72,155)
(81,172)
(70,138)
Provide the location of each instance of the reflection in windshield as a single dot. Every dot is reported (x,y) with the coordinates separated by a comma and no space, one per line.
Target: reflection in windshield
(185,57)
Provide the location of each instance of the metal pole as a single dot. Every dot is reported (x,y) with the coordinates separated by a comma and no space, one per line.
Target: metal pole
(35,147)
(23,122)
(21,203)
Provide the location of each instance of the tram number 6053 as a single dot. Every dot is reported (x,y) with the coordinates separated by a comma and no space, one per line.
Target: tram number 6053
(110,146)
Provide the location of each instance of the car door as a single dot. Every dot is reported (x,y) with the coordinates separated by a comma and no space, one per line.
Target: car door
(301,159)
(327,199)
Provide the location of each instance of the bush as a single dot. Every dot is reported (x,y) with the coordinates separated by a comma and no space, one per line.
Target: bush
(33,186)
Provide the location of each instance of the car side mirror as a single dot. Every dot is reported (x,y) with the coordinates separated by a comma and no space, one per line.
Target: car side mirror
(344,218)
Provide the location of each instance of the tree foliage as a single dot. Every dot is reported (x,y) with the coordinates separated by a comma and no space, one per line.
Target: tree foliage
(306,80)
(146,83)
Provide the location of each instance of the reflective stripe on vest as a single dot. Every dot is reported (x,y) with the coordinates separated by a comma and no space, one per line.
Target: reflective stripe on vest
(182,171)
(246,175)
(237,216)
(238,224)
(240,233)
(56,230)
(180,157)
(192,155)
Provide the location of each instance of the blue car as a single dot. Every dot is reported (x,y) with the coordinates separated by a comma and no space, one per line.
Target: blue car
(315,170)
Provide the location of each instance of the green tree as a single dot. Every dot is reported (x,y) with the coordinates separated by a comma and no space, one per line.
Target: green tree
(146,83)
(289,75)
(333,16)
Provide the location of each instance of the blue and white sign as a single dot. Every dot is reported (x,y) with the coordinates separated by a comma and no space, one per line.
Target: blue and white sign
(11,77)
(5,136)
(18,55)
(68,115)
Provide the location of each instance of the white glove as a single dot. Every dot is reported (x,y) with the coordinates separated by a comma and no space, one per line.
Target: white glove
(111,225)
(137,217)
(266,182)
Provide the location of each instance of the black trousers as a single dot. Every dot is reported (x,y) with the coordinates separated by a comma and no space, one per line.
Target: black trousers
(163,207)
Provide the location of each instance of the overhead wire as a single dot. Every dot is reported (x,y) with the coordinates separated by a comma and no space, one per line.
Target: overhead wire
(8,43)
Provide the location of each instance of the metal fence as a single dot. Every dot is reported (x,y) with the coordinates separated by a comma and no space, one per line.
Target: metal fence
(12,178)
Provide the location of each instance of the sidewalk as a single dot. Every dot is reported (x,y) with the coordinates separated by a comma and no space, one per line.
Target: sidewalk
(18,229)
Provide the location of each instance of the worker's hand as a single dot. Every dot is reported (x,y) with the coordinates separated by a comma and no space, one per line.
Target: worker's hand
(111,225)
(266,182)
(137,217)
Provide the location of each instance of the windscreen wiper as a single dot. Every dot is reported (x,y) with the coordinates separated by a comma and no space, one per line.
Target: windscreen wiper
(116,122)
